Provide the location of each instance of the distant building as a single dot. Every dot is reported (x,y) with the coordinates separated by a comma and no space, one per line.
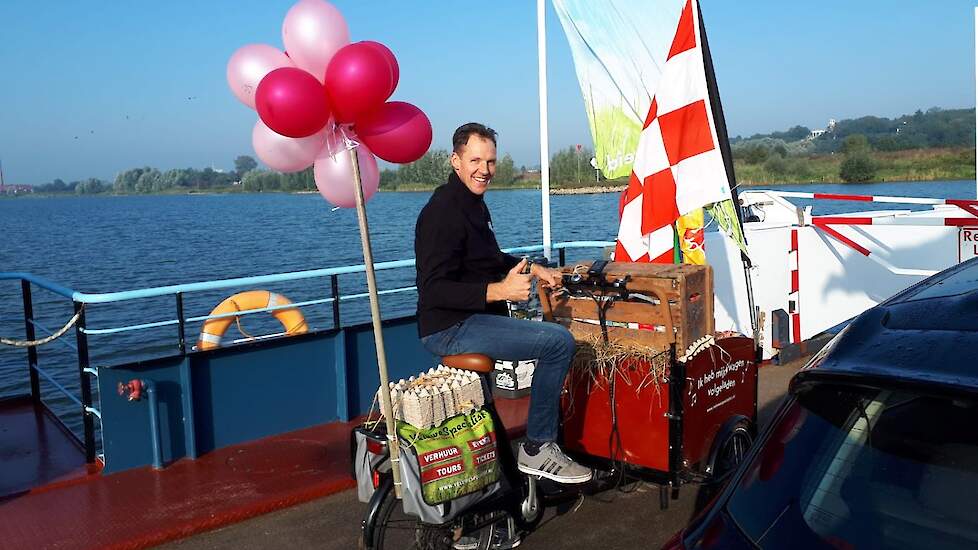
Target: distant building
(818,132)
(15,189)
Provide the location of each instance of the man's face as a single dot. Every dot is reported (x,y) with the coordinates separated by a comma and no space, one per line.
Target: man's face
(477,163)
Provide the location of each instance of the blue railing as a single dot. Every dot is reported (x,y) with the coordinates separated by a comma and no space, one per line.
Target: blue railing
(81,299)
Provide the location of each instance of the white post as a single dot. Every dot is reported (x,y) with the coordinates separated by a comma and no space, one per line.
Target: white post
(385,392)
(544,142)
(976,98)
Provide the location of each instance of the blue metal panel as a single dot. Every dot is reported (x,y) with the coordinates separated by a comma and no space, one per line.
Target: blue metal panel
(405,357)
(213,399)
(190,424)
(269,387)
(342,369)
(126,437)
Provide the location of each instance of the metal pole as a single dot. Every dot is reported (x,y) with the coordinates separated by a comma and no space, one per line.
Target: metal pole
(181,324)
(85,383)
(154,424)
(25,287)
(976,96)
(368,262)
(544,131)
(334,285)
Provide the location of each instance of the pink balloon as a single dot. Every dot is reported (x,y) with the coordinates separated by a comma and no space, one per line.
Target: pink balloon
(286,154)
(312,32)
(291,102)
(248,65)
(333,171)
(391,60)
(358,80)
(396,132)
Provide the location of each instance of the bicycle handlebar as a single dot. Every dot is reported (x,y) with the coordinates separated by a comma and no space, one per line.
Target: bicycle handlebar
(588,284)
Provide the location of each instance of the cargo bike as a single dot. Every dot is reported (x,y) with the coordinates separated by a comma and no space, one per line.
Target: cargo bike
(654,395)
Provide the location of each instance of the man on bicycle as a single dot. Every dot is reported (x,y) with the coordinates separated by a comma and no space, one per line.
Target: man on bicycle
(464,281)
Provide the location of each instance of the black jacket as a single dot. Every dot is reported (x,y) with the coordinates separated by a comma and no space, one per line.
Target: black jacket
(457,257)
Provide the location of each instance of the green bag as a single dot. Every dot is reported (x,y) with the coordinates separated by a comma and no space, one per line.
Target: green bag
(456,458)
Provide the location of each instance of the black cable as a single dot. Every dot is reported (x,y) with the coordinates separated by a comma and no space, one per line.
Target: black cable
(615,445)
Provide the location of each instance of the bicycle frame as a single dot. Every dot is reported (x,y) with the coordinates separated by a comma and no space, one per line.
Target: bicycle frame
(520,497)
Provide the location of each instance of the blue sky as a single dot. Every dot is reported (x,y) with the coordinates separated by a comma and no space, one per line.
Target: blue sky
(93,88)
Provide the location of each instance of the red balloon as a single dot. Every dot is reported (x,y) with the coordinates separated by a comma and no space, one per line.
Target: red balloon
(391,60)
(358,80)
(291,102)
(396,132)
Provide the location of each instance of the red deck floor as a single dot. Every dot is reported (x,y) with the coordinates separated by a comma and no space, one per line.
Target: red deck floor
(144,507)
(35,448)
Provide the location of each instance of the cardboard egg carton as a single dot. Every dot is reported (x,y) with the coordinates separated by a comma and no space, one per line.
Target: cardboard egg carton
(428,399)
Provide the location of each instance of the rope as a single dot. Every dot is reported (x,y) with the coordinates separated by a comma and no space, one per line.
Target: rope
(42,341)
(237,321)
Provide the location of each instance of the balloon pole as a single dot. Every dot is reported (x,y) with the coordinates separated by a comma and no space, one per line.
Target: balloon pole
(385,392)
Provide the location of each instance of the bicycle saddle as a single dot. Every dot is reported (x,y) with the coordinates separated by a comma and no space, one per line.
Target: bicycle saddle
(475,362)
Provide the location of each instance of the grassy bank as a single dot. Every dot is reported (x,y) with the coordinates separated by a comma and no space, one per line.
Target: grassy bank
(911,165)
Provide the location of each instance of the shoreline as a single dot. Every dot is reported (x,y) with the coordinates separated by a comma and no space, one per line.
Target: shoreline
(592,190)
(589,190)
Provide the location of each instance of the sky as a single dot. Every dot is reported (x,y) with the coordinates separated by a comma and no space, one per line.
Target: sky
(89,89)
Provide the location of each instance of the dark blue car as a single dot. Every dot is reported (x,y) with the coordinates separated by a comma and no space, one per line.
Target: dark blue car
(876,445)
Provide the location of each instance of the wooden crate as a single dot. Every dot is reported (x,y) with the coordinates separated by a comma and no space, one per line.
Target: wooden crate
(682,311)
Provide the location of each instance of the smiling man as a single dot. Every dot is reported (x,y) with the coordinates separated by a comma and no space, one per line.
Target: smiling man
(464,281)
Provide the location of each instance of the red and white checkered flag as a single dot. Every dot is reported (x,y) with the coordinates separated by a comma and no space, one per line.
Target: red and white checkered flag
(678,166)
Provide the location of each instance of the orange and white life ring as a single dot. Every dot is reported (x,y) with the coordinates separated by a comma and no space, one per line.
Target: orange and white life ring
(291,318)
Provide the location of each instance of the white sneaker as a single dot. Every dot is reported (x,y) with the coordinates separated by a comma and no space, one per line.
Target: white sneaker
(550,462)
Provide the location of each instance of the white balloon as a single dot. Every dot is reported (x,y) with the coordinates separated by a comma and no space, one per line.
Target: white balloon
(248,65)
(283,153)
(333,171)
(312,32)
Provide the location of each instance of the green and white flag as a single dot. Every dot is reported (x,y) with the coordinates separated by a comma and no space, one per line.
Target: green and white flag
(652,103)
(619,49)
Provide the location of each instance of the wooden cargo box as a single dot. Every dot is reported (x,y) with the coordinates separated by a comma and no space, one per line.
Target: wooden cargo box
(669,303)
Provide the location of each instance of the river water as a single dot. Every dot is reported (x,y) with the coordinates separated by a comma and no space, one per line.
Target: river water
(114,243)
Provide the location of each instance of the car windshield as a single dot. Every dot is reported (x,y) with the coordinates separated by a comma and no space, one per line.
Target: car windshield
(855,468)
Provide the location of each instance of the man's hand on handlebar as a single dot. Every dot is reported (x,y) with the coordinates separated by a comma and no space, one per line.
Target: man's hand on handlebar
(549,278)
(515,287)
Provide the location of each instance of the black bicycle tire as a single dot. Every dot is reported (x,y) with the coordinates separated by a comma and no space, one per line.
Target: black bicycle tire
(390,505)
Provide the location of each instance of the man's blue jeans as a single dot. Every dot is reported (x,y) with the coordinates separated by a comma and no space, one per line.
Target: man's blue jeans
(509,339)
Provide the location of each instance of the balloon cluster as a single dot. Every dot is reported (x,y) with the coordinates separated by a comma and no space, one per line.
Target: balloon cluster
(324,96)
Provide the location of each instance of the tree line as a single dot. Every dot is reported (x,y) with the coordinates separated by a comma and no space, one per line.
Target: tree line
(569,167)
(152,180)
(922,130)
(935,128)
(794,154)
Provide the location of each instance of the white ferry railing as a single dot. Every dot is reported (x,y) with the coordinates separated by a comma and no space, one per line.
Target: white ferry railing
(81,299)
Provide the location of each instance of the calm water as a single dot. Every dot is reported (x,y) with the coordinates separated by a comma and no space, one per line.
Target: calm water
(103,244)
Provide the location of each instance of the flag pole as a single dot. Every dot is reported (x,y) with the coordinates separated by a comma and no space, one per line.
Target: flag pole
(368,262)
(544,130)
(716,107)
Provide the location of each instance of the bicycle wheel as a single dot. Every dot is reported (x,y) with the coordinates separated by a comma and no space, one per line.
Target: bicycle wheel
(733,450)
(398,531)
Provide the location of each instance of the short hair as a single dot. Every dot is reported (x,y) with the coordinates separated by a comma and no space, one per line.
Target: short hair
(465,131)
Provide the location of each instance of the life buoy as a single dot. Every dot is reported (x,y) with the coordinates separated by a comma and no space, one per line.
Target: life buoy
(291,318)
